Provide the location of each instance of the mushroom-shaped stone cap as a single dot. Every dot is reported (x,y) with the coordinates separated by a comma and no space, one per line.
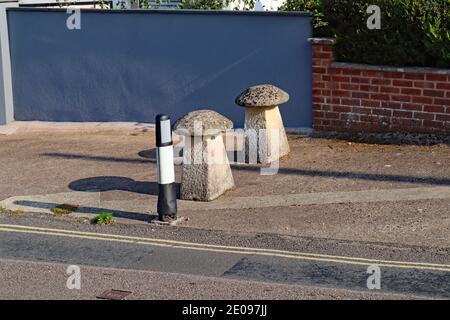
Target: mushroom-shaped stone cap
(264,95)
(203,122)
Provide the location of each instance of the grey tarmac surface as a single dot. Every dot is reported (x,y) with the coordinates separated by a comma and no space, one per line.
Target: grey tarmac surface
(406,280)
(38,280)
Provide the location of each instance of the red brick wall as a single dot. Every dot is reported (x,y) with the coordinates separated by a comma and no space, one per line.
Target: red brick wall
(350,97)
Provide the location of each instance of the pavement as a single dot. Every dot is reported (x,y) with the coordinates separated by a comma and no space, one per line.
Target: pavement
(361,203)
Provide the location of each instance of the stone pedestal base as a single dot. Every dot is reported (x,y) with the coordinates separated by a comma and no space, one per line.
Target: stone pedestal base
(266,139)
(206,171)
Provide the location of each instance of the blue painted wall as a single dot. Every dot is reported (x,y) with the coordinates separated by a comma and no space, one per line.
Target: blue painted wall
(2,93)
(131,65)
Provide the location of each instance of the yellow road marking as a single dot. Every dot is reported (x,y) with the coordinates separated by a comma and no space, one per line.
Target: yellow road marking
(226,249)
(220,246)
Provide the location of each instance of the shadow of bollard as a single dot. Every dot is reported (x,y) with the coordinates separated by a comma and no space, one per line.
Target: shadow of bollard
(112,183)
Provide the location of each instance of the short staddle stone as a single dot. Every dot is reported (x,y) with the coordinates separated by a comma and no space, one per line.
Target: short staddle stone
(206,172)
(201,122)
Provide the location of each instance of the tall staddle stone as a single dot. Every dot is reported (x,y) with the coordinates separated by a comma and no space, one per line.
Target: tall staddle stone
(263,119)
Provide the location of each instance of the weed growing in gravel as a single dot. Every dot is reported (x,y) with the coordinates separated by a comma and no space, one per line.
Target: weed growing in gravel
(82,220)
(18,212)
(2,209)
(103,219)
(63,209)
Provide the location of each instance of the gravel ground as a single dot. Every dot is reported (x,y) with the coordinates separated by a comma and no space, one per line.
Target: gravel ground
(53,161)
(49,162)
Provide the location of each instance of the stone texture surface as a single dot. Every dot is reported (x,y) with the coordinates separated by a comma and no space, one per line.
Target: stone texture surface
(265,136)
(322,40)
(201,122)
(264,95)
(266,139)
(206,172)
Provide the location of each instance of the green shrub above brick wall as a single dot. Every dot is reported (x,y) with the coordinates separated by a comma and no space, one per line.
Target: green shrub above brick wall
(413,32)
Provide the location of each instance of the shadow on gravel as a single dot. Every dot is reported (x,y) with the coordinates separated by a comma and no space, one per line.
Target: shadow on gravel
(90,210)
(148,154)
(102,184)
(389,138)
(150,157)
(75,156)
(351,175)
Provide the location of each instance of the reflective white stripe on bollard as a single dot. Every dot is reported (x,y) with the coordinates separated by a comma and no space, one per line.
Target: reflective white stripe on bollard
(166,172)
(167,195)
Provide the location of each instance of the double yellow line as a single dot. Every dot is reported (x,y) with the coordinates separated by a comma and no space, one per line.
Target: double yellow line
(224,249)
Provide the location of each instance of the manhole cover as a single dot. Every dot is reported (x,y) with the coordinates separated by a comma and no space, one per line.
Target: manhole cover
(114,295)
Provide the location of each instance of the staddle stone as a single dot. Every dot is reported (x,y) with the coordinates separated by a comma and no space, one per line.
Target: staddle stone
(206,172)
(266,139)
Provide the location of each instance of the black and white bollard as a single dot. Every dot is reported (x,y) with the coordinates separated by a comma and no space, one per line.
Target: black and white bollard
(167,195)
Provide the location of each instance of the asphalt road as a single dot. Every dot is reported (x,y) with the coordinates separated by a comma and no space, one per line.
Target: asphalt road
(266,258)
(38,280)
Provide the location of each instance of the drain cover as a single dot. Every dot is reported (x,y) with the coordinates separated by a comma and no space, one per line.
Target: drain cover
(114,295)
